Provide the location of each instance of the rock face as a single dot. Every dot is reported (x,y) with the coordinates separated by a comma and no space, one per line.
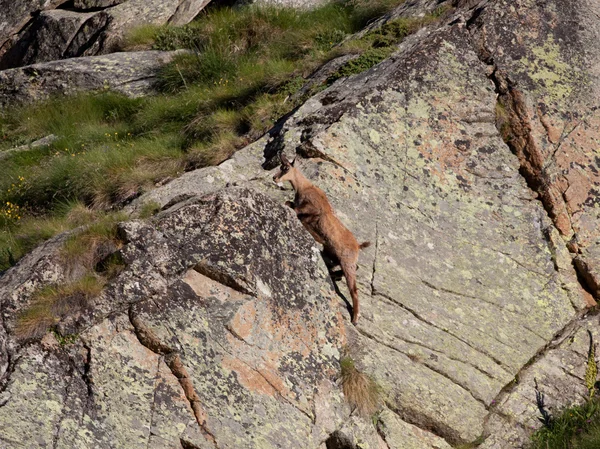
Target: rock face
(93,4)
(63,34)
(194,327)
(132,74)
(16,14)
(47,39)
(286,3)
(467,159)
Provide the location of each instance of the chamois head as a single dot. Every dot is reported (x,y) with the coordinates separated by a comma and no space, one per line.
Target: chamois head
(286,171)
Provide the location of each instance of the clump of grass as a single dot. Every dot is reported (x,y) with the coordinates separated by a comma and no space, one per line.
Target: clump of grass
(149,209)
(360,390)
(503,121)
(364,62)
(50,304)
(140,38)
(94,243)
(379,44)
(32,230)
(575,427)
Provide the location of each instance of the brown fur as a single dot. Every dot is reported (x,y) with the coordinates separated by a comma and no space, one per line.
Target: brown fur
(317,216)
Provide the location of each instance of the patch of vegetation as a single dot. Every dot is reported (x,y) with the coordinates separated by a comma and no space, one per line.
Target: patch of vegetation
(364,62)
(238,77)
(576,427)
(65,340)
(15,241)
(380,43)
(94,243)
(361,391)
(503,121)
(50,304)
(149,209)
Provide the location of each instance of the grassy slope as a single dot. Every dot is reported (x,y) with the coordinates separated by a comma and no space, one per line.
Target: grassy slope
(228,91)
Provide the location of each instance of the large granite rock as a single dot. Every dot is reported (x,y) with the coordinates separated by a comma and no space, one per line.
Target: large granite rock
(47,39)
(472,276)
(17,15)
(63,34)
(224,329)
(132,74)
(202,341)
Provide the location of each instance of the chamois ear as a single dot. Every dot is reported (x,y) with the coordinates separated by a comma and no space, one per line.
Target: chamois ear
(283,158)
(292,163)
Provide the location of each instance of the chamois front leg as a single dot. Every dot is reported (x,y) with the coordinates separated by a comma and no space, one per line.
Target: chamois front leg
(306,209)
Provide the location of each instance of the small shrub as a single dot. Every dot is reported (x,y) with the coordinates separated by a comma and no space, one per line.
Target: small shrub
(65,340)
(50,304)
(360,390)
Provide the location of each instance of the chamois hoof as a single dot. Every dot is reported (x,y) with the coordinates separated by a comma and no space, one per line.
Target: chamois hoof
(355,320)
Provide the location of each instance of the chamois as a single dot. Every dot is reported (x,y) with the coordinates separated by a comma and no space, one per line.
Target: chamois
(317,216)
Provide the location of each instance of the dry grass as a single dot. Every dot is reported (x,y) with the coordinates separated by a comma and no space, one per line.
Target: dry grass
(360,390)
(88,247)
(50,304)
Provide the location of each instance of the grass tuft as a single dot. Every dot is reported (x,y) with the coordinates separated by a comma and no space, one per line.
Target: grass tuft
(360,390)
(50,304)
(575,427)
(149,209)
(94,243)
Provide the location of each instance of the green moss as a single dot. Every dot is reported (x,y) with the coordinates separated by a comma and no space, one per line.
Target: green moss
(379,44)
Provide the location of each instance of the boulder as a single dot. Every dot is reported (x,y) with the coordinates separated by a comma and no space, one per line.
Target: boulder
(132,74)
(216,344)
(95,4)
(471,276)
(47,39)
(466,158)
(17,15)
(67,34)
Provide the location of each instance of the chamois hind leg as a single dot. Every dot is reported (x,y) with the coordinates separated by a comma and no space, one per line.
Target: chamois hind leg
(349,269)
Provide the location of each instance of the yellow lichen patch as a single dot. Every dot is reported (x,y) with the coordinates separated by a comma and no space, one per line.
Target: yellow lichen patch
(549,70)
